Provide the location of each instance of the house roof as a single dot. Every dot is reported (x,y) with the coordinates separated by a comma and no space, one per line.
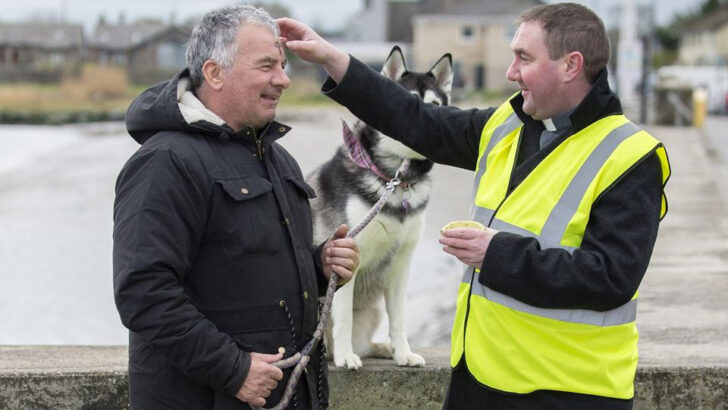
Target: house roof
(42,35)
(125,36)
(710,22)
(477,7)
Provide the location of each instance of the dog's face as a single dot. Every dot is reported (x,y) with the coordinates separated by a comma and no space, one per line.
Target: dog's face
(433,87)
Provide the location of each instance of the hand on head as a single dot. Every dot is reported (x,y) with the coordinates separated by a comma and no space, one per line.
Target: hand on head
(340,255)
(308,45)
(262,378)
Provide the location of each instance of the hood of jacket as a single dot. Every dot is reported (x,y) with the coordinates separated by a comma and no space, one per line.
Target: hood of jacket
(172,106)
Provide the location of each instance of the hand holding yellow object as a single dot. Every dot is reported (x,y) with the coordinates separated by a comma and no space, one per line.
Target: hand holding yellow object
(469,245)
(462,224)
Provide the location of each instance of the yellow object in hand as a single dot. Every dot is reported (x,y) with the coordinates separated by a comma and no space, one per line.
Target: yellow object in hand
(462,224)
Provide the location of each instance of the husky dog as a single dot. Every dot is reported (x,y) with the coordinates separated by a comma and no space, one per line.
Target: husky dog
(348,185)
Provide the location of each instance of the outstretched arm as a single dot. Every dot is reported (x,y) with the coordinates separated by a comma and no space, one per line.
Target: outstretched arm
(446,135)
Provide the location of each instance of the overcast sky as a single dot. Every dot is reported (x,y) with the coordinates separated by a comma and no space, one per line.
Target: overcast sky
(331,14)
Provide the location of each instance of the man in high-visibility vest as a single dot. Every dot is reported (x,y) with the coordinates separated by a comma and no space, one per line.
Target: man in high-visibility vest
(571,195)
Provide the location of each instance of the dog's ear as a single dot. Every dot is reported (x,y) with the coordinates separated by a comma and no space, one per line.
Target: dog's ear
(442,70)
(394,66)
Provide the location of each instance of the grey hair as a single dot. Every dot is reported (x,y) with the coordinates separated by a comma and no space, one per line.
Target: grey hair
(213,37)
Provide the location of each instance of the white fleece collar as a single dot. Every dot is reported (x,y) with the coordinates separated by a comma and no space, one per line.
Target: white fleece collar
(192,109)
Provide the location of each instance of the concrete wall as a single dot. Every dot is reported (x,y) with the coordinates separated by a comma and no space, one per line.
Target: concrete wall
(94,377)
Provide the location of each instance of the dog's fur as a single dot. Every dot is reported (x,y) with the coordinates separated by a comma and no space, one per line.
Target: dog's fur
(346,193)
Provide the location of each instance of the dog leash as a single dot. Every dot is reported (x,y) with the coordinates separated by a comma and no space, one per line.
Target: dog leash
(301,359)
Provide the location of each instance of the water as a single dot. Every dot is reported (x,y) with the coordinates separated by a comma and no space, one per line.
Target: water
(56,195)
(56,199)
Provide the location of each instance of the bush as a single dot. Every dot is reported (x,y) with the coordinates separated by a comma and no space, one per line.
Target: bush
(96,83)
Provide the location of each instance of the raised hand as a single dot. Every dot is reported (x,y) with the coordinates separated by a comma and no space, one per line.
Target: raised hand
(308,45)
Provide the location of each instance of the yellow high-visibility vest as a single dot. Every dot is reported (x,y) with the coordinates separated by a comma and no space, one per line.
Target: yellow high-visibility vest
(514,347)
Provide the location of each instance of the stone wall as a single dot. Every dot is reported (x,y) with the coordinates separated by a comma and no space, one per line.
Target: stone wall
(94,377)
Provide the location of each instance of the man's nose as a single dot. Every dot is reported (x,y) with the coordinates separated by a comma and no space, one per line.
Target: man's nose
(512,73)
(281,79)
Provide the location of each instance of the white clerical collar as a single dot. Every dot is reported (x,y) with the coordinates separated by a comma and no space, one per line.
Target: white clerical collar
(548,123)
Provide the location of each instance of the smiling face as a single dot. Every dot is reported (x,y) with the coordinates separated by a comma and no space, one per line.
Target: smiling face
(252,86)
(538,77)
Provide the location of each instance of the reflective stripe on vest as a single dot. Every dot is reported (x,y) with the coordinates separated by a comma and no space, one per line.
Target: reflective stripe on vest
(624,314)
(555,226)
(504,129)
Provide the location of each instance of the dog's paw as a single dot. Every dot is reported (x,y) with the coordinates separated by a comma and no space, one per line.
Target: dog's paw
(411,359)
(382,350)
(350,361)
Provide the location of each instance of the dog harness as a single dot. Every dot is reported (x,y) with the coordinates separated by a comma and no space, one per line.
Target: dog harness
(514,347)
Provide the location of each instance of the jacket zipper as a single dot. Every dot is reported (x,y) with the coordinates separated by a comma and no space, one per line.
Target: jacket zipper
(258,143)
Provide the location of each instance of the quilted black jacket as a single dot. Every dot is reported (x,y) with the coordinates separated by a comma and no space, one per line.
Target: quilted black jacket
(213,257)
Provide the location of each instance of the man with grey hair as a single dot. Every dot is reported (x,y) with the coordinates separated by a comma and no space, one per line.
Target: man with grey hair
(215,273)
(570,193)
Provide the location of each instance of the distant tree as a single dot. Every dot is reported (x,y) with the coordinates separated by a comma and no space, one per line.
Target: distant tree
(668,36)
(150,20)
(709,6)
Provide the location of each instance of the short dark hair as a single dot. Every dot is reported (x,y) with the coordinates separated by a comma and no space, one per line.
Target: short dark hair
(572,27)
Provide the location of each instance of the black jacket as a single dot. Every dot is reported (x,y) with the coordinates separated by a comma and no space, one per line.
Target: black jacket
(213,257)
(604,272)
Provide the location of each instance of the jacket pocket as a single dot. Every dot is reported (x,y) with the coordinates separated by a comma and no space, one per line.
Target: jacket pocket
(249,215)
(258,327)
(243,317)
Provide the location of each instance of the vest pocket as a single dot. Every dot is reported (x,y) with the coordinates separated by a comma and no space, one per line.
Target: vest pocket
(248,215)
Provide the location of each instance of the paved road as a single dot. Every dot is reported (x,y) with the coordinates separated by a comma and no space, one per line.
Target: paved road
(715,137)
(683,313)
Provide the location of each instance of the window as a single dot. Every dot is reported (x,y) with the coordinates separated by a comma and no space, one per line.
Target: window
(467,32)
(170,55)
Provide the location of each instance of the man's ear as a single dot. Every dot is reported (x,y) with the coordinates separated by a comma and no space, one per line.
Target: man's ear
(213,74)
(573,65)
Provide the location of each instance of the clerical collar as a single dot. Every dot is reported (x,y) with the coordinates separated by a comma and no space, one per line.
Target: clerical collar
(558,122)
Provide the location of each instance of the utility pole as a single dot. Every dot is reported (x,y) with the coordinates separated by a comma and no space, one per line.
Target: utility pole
(629,58)
(648,38)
